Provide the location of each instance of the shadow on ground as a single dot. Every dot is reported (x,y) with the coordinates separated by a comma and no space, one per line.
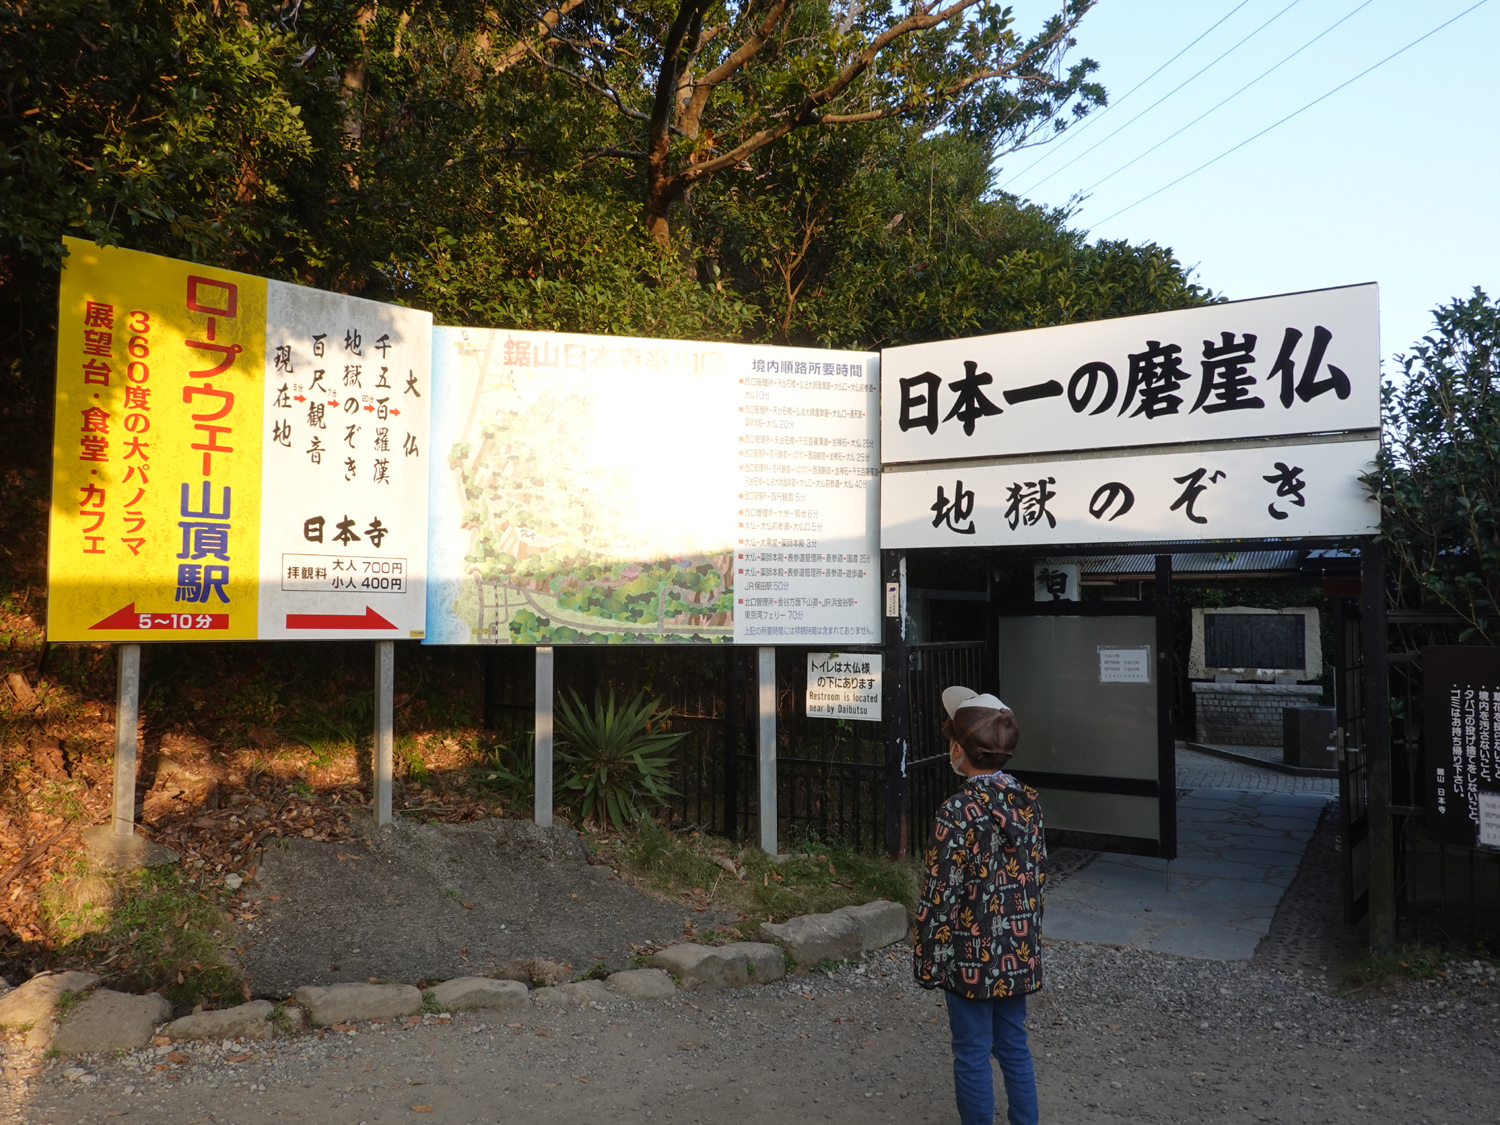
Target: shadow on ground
(431,902)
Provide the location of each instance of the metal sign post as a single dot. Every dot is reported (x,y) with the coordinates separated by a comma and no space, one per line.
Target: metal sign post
(767,805)
(542,808)
(385,728)
(127,723)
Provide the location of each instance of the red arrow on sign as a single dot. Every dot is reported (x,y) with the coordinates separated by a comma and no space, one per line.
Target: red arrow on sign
(128,618)
(367,620)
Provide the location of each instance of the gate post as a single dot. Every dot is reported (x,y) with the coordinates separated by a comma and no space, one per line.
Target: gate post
(898,699)
(1377,746)
(1166,742)
(731,764)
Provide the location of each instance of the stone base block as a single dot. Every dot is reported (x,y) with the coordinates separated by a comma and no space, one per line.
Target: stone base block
(811,939)
(643,984)
(348,1003)
(245,1021)
(31,1004)
(880,923)
(479,992)
(111,1021)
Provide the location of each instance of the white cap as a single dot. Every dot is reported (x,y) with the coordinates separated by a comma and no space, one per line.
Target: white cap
(957,697)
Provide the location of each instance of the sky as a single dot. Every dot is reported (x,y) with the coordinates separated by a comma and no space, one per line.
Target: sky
(1393,179)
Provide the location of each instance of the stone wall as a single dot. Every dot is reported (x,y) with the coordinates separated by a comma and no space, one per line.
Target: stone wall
(1248,714)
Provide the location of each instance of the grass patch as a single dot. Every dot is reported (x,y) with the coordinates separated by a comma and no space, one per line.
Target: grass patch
(817,877)
(67,1000)
(1415,963)
(599,972)
(162,934)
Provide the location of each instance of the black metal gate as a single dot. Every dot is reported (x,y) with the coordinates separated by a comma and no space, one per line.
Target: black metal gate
(930,780)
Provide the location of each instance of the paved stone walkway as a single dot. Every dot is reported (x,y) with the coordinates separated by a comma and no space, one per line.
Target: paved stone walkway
(1204,771)
(1238,851)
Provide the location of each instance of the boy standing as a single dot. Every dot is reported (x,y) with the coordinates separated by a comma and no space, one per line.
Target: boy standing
(978,927)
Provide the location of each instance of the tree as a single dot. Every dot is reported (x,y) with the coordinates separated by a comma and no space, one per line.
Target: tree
(707,84)
(1438,471)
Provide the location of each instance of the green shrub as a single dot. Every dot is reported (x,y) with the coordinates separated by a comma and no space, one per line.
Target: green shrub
(618,758)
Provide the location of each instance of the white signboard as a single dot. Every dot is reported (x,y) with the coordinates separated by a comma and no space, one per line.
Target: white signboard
(609,490)
(343,542)
(1298,364)
(1129,665)
(1252,492)
(843,686)
(807,561)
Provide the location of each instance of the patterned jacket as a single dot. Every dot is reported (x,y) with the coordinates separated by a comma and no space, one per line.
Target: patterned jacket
(979,921)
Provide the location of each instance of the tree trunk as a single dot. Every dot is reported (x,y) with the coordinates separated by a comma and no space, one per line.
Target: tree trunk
(354,81)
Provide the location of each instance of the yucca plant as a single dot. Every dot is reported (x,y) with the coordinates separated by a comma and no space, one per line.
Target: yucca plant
(618,756)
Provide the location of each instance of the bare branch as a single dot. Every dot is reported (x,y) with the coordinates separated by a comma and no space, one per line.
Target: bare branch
(584,80)
(806,114)
(545,28)
(705,86)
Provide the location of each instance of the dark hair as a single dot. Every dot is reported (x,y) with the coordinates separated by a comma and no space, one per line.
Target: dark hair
(988,737)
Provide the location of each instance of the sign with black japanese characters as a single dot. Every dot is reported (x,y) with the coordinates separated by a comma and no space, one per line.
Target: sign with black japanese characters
(234,458)
(1249,492)
(1298,364)
(1461,697)
(844,685)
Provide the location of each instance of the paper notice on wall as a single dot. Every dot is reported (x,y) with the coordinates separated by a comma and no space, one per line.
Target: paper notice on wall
(1129,665)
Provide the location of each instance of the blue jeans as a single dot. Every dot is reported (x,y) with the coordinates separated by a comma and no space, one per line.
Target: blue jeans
(982,1028)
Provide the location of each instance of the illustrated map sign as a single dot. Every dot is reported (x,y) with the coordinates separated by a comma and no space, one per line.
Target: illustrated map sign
(1248,491)
(844,685)
(1461,697)
(1298,364)
(612,490)
(234,458)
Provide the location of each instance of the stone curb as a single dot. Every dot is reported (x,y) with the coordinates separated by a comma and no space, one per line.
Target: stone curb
(111,1021)
(347,1003)
(251,1020)
(841,935)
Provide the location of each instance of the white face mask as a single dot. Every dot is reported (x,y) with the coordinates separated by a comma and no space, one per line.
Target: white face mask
(953,763)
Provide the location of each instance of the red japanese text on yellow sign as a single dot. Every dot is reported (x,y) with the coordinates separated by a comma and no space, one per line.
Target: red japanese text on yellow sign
(156,449)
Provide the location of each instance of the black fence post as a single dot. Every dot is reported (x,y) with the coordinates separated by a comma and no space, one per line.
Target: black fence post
(897,704)
(1377,746)
(1166,742)
(490,672)
(731,763)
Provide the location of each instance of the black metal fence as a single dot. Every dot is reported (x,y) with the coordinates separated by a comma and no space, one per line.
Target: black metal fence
(930,780)
(1446,894)
(830,772)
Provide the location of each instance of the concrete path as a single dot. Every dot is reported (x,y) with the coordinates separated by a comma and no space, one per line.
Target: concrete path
(1196,770)
(1238,851)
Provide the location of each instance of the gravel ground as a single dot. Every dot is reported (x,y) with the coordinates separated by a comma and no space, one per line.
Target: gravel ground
(1119,1035)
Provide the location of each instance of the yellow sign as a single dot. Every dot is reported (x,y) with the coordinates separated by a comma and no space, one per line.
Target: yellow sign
(186,395)
(156,449)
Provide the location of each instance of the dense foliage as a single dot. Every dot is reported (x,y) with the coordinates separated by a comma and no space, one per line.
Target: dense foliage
(1438,474)
(490,162)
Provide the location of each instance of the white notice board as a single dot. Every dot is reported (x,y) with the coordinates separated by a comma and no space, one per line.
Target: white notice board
(844,686)
(1125,665)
